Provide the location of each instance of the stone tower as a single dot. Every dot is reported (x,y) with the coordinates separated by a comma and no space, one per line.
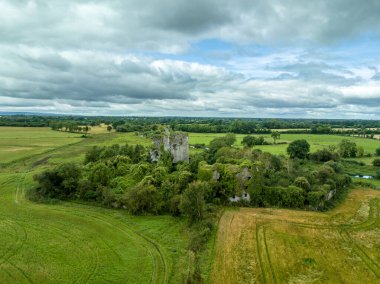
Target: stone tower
(177,143)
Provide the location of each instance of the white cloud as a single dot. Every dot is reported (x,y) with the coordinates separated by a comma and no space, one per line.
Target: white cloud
(134,57)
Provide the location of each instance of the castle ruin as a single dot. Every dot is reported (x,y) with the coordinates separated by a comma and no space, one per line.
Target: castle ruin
(177,143)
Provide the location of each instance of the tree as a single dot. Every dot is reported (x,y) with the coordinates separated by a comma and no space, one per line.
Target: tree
(86,129)
(248,141)
(316,198)
(275,135)
(60,182)
(377,152)
(100,174)
(93,154)
(230,139)
(298,149)
(324,173)
(143,199)
(347,149)
(220,142)
(109,128)
(360,151)
(303,183)
(193,202)
(376,162)
(324,155)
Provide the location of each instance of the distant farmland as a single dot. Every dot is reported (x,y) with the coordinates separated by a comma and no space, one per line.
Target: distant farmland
(317,141)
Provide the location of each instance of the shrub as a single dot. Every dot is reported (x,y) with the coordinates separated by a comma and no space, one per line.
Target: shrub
(316,198)
(292,197)
(60,182)
(100,174)
(144,199)
(325,173)
(250,141)
(377,176)
(360,152)
(193,202)
(337,167)
(347,149)
(324,155)
(174,205)
(376,162)
(93,154)
(303,183)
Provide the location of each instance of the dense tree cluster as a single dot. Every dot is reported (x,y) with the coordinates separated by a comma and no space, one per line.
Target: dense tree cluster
(250,141)
(124,177)
(70,127)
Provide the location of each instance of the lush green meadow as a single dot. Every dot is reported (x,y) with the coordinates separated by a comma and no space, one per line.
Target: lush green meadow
(20,142)
(316,141)
(70,242)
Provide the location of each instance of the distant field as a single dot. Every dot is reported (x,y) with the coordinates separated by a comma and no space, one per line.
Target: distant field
(289,246)
(316,141)
(21,142)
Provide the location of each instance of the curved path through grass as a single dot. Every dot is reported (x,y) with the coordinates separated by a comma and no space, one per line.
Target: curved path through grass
(77,243)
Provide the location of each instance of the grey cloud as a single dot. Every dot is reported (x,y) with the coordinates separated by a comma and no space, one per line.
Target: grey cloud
(53,61)
(190,17)
(317,72)
(83,55)
(362,101)
(97,77)
(164,25)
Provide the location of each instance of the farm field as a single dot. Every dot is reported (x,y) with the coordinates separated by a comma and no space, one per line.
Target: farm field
(69,242)
(289,246)
(20,142)
(316,141)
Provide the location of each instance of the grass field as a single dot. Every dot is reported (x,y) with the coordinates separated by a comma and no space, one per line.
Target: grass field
(289,246)
(76,243)
(316,141)
(20,142)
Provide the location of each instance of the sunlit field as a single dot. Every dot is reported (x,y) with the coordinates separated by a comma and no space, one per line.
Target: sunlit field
(291,246)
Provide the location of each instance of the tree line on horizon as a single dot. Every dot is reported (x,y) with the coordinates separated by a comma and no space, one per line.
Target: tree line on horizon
(364,128)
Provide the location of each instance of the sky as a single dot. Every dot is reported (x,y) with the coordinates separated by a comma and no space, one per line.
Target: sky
(237,58)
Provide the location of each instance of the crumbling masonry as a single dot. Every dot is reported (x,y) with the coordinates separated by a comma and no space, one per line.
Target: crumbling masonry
(177,143)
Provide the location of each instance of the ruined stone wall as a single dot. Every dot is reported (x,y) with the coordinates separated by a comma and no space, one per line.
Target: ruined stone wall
(177,143)
(179,147)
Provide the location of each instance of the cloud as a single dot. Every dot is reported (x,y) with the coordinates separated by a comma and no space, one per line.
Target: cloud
(364,94)
(263,58)
(171,24)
